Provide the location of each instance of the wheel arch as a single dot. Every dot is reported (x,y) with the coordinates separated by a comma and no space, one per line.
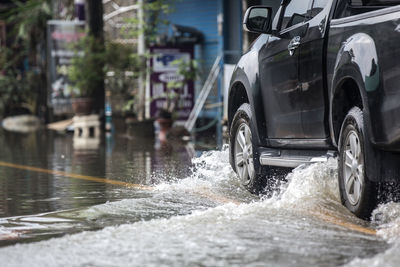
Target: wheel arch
(237,96)
(349,91)
(347,95)
(244,91)
(355,73)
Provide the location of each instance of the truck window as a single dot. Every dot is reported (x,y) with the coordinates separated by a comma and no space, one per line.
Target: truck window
(382,2)
(346,8)
(318,6)
(295,13)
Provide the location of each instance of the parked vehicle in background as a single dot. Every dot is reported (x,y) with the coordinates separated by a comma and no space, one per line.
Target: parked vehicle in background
(321,79)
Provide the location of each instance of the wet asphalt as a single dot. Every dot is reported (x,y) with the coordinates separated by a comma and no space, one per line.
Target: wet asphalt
(129,200)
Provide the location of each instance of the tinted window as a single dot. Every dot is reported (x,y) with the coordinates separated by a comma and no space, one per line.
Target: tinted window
(295,12)
(275,4)
(356,2)
(346,8)
(318,6)
(381,2)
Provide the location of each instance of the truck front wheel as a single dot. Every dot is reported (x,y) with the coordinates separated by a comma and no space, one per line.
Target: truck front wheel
(244,154)
(358,193)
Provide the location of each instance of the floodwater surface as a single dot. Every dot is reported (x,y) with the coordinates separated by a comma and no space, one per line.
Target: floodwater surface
(176,208)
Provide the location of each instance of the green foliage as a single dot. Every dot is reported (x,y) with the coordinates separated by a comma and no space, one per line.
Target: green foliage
(63,9)
(189,70)
(30,20)
(15,89)
(11,90)
(154,17)
(27,24)
(123,67)
(129,106)
(122,57)
(84,71)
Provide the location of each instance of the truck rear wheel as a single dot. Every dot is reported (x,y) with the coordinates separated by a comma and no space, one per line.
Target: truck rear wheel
(245,159)
(358,193)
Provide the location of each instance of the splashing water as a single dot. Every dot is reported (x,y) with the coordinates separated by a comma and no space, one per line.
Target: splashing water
(209,219)
(387,219)
(308,184)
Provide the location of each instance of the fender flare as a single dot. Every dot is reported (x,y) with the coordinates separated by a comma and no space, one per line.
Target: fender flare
(357,60)
(255,101)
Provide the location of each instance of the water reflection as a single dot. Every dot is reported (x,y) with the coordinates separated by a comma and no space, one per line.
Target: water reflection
(119,156)
(195,221)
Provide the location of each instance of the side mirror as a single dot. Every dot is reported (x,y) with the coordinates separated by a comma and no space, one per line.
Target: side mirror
(258,19)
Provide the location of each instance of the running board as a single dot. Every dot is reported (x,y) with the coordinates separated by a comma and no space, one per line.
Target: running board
(272,159)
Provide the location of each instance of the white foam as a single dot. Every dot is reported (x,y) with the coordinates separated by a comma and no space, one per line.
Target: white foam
(8,234)
(311,184)
(387,219)
(208,232)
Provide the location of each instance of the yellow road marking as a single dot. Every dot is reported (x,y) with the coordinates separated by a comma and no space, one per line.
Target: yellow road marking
(74,176)
(325,217)
(217,198)
(329,218)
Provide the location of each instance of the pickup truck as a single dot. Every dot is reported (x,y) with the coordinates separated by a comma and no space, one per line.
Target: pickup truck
(321,80)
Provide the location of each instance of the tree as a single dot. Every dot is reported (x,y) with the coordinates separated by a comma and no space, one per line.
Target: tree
(28,21)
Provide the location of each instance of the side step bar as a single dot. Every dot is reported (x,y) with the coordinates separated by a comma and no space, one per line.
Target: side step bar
(271,159)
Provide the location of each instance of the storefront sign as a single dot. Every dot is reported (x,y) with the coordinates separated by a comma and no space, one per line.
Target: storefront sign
(163,71)
(61,36)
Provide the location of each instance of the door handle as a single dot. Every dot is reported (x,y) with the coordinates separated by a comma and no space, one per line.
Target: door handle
(321,26)
(293,45)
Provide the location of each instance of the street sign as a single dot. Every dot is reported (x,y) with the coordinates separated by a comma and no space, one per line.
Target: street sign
(61,35)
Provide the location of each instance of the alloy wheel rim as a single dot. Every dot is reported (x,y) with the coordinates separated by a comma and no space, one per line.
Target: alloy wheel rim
(244,161)
(353,168)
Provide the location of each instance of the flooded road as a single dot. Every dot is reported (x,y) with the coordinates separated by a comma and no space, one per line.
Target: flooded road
(177,208)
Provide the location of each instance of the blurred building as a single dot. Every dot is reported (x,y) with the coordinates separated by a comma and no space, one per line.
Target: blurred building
(213,27)
(220,22)
(116,12)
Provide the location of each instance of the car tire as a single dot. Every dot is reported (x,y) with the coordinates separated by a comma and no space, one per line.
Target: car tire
(244,155)
(358,193)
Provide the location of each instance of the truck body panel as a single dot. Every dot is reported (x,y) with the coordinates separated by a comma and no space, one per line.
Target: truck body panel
(369,43)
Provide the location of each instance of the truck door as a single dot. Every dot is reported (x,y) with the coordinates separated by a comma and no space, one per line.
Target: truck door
(312,75)
(278,63)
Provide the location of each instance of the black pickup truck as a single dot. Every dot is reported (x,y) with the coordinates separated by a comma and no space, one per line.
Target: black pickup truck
(322,79)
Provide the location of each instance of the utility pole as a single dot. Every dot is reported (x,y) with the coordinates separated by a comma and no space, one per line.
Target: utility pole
(143,98)
(95,25)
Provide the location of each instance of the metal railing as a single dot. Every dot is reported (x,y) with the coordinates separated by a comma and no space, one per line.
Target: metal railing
(205,91)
